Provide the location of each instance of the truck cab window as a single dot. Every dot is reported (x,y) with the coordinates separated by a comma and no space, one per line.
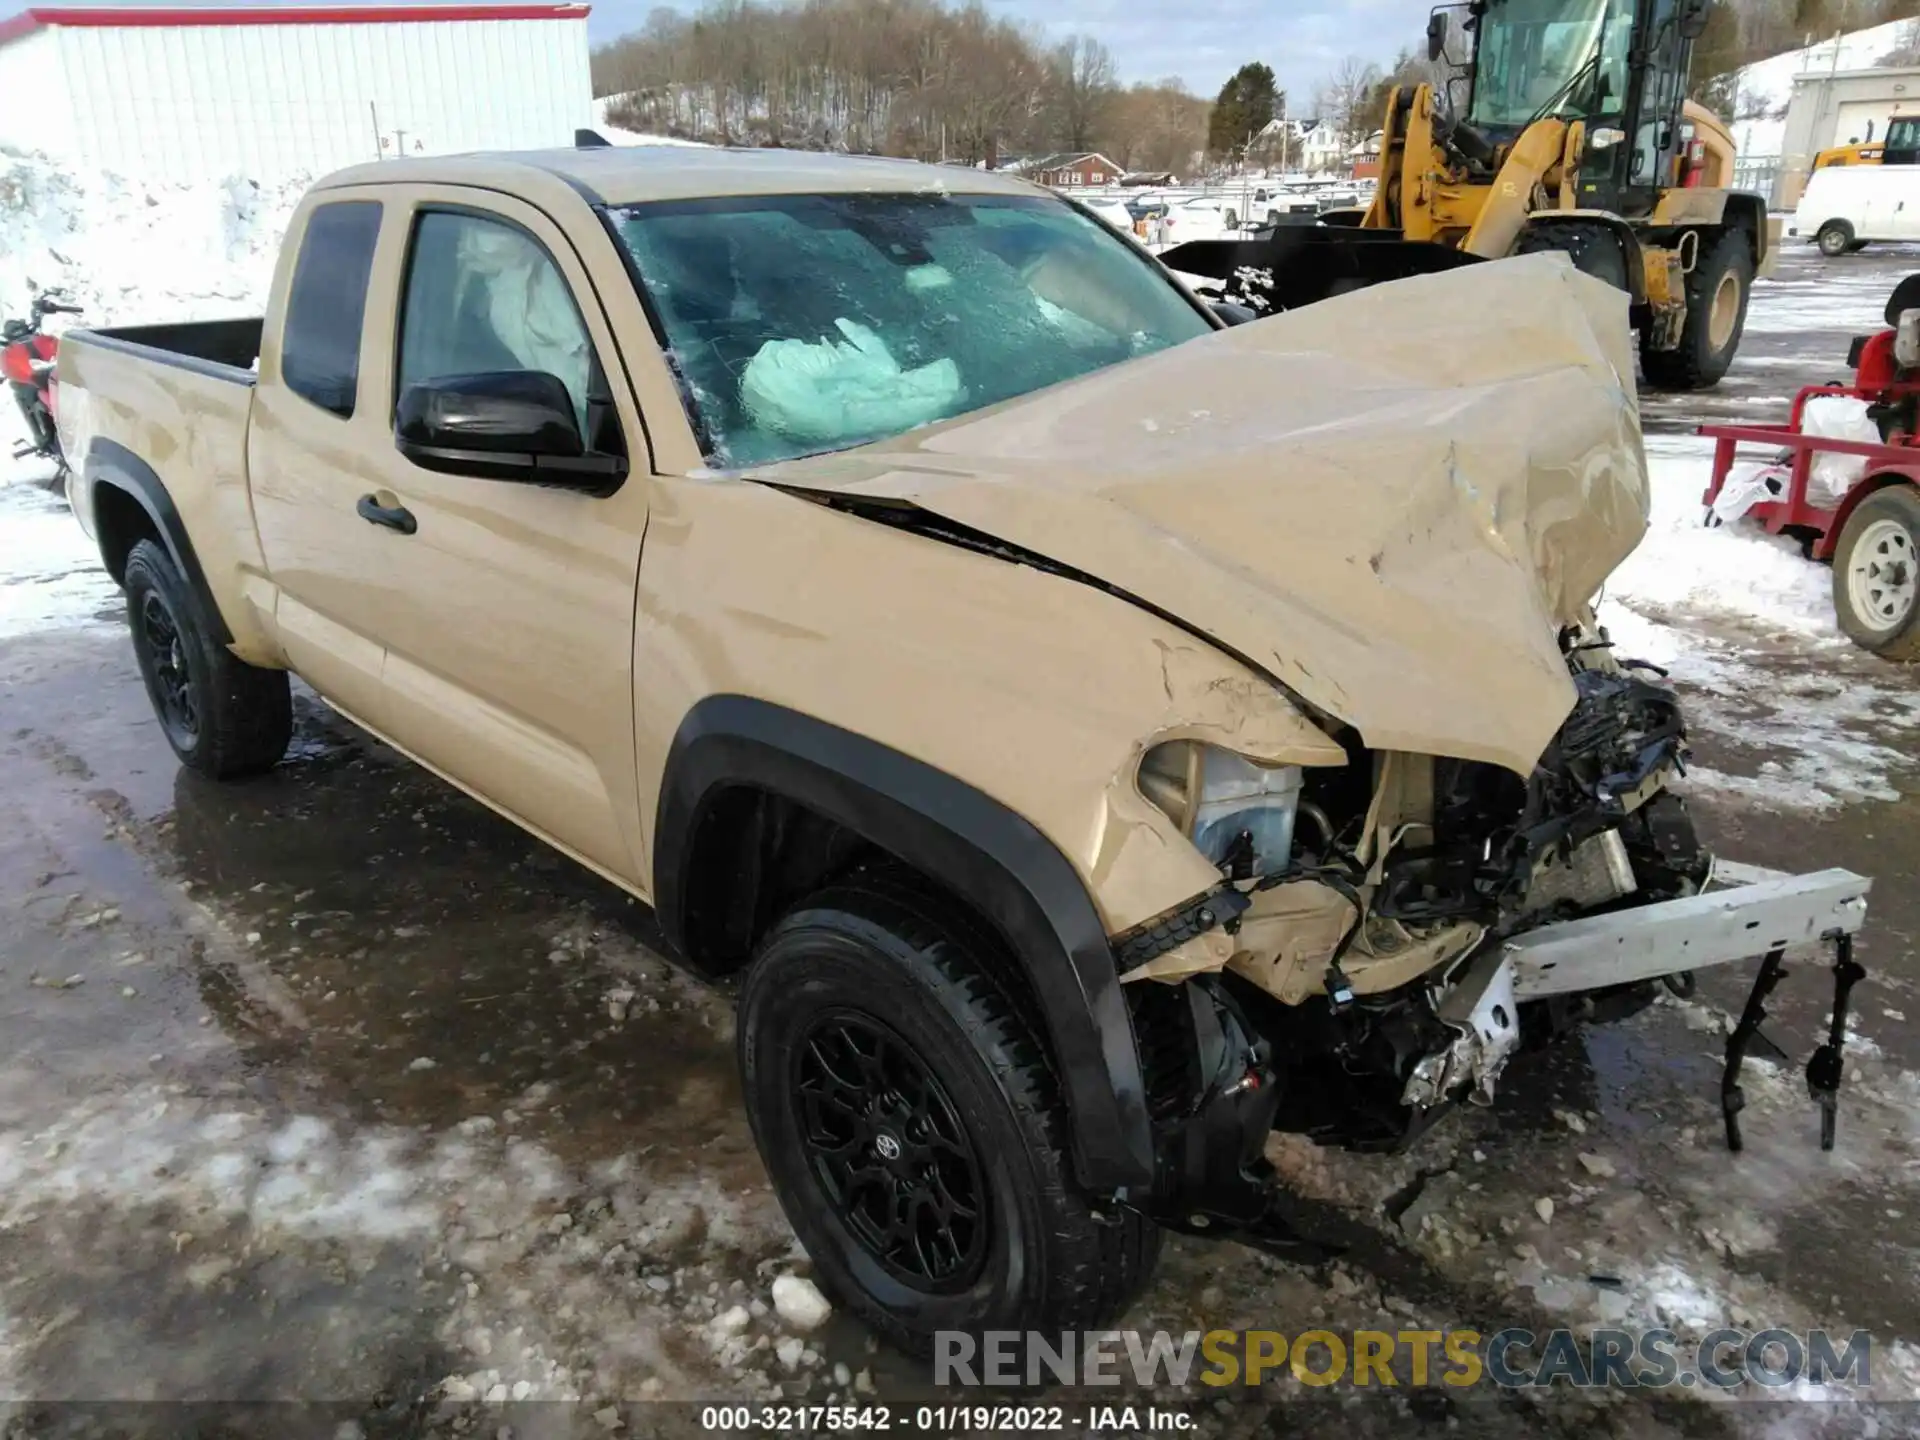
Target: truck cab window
(320,346)
(484,296)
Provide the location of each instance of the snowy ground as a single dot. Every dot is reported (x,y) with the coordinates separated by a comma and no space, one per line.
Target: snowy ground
(335,1088)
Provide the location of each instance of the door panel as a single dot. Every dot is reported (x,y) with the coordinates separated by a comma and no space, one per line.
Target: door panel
(509,641)
(310,425)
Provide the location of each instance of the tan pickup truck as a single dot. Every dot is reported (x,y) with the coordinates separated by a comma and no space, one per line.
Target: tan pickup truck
(1099,735)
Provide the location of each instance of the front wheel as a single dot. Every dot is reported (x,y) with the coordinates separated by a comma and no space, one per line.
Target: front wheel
(913,1127)
(222,716)
(1876,574)
(1594,249)
(1717,295)
(1835,239)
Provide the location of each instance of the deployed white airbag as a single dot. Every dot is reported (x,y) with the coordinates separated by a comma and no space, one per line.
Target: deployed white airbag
(836,391)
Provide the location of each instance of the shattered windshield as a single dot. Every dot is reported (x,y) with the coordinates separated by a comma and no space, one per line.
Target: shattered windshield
(1549,57)
(801,324)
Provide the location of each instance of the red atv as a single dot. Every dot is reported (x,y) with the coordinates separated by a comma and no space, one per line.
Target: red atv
(27,362)
(1872,534)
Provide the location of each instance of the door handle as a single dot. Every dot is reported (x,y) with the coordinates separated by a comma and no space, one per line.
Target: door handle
(394,517)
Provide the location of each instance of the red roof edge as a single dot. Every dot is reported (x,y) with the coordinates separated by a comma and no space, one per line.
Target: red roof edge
(40,16)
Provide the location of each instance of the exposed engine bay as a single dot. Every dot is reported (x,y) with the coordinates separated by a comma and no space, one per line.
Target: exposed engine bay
(1375,981)
(1401,868)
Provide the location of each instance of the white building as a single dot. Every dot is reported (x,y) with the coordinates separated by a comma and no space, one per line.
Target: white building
(1322,148)
(274,92)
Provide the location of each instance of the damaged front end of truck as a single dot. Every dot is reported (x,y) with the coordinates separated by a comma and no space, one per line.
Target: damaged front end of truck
(1456,834)
(1426,920)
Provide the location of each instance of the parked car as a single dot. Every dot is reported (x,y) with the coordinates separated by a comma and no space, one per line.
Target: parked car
(1116,214)
(1081,780)
(1848,207)
(1205,217)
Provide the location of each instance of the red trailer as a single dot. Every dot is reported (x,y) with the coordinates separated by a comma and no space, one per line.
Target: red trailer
(1872,536)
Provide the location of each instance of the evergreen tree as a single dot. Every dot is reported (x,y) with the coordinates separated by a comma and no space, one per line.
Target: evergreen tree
(1244,107)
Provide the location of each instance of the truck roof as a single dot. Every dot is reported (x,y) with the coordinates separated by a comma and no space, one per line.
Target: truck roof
(626,175)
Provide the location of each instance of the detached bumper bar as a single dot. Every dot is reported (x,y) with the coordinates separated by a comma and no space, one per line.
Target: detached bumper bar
(1771,913)
(1762,913)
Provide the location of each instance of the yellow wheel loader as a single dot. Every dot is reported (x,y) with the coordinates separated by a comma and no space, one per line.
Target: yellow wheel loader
(1576,136)
(1899,146)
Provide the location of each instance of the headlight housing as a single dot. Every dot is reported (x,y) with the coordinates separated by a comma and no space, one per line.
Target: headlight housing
(1216,796)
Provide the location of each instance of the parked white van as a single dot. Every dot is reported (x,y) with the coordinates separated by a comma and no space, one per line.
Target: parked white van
(1846,207)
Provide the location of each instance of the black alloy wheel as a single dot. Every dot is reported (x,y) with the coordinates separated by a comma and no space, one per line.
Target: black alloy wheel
(888,1148)
(172,684)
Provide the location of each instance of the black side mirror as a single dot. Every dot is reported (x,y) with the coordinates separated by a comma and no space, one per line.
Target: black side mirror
(1436,35)
(1693,17)
(1231,313)
(501,425)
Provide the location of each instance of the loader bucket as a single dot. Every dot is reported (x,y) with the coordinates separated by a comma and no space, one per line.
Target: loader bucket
(1295,265)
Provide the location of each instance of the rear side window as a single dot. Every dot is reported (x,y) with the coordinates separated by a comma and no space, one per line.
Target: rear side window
(320,348)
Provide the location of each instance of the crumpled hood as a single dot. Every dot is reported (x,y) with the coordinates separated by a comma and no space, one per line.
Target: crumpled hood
(1391,500)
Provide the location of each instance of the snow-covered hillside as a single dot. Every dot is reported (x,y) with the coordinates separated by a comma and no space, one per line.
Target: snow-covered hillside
(132,251)
(1766,87)
(627,137)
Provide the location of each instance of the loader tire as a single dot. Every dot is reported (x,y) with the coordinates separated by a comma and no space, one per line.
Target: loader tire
(223,717)
(913,1128)
(1594,249)
(1717,294)
(1876,590)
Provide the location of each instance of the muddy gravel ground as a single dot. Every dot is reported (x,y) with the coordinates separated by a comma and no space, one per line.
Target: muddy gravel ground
(334,1088)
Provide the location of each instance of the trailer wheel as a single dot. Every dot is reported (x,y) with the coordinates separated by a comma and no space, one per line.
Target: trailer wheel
(222,716)
(1876,574)
(1835,239)
(1717,295)
(913,1128)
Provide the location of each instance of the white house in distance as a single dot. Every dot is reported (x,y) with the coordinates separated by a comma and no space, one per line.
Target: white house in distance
(1322,147)
(270,92)
(1312,146)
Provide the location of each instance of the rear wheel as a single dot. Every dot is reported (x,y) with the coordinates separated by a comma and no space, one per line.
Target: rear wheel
(1876,574)
(1835,239)
(222,716)
(1717,295)
(913,1127)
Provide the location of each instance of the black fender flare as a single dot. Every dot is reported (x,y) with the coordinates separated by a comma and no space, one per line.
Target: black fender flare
(111,464)
(991,857)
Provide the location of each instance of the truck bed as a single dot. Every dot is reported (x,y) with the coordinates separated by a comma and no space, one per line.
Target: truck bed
(154,418)
(225,349)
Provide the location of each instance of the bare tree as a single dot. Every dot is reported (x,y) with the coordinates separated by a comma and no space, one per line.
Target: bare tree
(1079,89)
(1346,99)
(909,77)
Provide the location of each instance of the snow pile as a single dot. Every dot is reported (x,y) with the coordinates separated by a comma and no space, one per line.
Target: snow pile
(1765,88)
(133,251)
(1745,623)
(1737,571)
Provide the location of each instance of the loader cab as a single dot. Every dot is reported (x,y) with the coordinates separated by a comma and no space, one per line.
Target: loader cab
(1902,145)
(1618,66)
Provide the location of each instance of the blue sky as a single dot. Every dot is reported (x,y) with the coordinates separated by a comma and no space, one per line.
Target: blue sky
(1201,41)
